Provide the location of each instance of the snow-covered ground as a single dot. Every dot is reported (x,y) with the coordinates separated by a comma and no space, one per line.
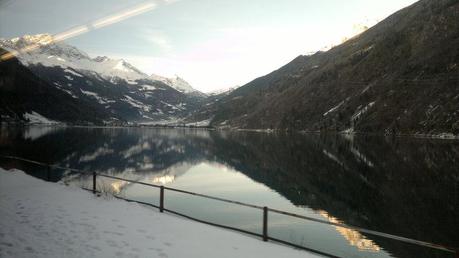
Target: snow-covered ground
(42,219)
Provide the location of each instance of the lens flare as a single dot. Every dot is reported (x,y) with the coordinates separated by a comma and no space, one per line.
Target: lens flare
(76,31)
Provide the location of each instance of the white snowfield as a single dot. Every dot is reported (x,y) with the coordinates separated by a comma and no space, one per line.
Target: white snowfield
(42,219)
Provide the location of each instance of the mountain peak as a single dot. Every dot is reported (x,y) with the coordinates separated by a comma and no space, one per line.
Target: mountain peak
(42,39)
(175,82)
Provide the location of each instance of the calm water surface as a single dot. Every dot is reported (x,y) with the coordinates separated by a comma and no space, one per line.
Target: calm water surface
(402,186)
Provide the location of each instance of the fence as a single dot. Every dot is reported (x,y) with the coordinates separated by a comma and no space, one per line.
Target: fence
(265,210)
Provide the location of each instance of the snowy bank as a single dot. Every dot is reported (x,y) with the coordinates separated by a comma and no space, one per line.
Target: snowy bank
(42,219)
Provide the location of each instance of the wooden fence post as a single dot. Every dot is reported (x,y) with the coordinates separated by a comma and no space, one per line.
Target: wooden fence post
(161,199)
(265,223)
(94,175)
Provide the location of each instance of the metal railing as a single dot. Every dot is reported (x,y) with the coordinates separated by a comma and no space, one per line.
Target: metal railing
(264,236)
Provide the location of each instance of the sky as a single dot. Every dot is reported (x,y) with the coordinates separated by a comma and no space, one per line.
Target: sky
(213,44)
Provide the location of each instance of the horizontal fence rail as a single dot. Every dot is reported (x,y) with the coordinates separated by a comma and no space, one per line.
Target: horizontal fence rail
(265,236)
(368,231)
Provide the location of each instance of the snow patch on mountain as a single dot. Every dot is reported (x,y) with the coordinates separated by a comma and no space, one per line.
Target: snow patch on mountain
(73,73)
(137,104)
(362,111)
(333,109)
(175,82)
(178,107)
(97,97)
(201,123)
(147,87)
(35,118)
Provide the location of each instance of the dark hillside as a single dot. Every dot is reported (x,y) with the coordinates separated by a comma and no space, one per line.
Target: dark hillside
(22,92)
(401,76)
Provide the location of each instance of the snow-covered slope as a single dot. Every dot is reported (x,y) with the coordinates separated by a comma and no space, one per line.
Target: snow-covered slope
(42,219)
(175,82)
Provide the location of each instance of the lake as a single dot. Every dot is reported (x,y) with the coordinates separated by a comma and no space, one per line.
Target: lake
(402,186)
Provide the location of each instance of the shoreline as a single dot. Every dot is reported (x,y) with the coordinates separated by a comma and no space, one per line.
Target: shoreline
(439,136)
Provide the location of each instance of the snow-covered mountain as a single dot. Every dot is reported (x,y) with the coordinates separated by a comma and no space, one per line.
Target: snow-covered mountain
(111,86)
(177,83)
(50,53)
(224,91)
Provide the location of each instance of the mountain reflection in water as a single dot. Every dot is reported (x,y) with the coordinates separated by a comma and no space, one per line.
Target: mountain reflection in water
(402,186)
(354,237)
